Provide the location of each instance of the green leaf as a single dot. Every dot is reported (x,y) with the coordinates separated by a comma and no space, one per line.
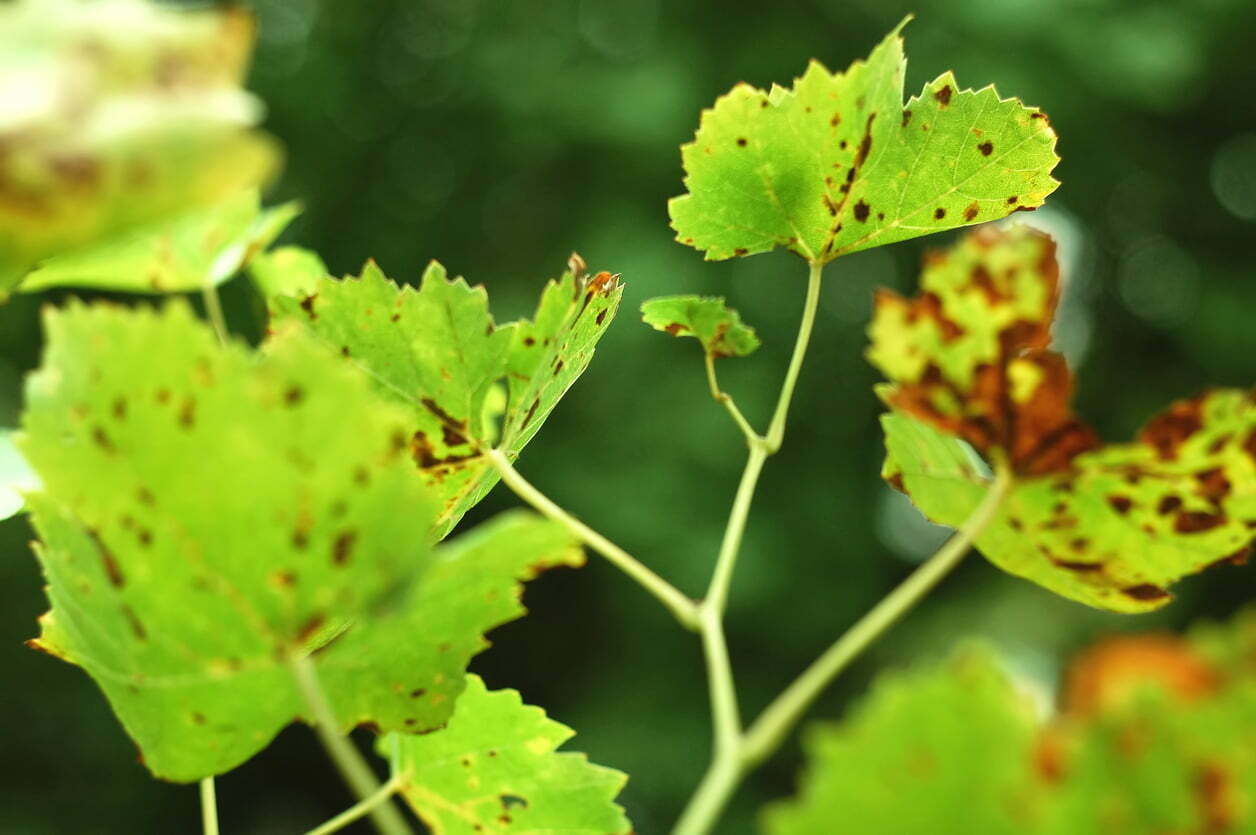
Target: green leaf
(205,515)
(155,125)
(437,351)
(837,164)
(494,769)
(1153,739)
(1107,525)
(16,477)
(198,250)
(718,327)
(1119,527)
(404,670)
(287,271)
(938,751)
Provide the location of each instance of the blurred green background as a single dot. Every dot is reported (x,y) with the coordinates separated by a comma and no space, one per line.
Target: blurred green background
(500,136)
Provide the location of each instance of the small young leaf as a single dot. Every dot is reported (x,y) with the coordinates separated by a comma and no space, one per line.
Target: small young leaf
(945,751)
(437,351)
(719,328)
(836,164)
(193,251)
(1107,525)
(287,271)
(494,769)
(16,476)
(206,514)
(153,126)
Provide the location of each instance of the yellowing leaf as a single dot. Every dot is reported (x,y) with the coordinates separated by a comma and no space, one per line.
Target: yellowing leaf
(837,164)
(116,116)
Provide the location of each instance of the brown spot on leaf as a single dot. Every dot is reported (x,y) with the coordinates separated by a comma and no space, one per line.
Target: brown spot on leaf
(861,212)
(187,412)
(101,439)
(906,117)
(1168,430)
(1197,522)
(1146,592)
(939,213)
(970,212)
(112,570)
(342,546)
(986,148)
(307,304)
(1121,504)
(133,620)
(944,95)
(741,141)
(1168,504)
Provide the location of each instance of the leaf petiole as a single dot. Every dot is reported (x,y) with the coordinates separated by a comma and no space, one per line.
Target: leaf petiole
(685,610)
(752,437)
(352,766)
(209,807)
(363,807)
(767,732)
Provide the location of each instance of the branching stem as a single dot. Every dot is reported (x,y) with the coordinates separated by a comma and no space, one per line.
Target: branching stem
(363,807)
(349,761)
(685,610)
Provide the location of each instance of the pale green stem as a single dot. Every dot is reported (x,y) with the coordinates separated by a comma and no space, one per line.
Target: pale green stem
(363,807)
(725,770)
(685,610)
(752,437)
(776,431)
(352,766)
(213,308)
(767,732)
(209,807)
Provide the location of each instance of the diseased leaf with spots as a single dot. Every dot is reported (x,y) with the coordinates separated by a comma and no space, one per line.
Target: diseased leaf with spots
(203,249)
(16,476)
(236,511)
(287,271)
(117,116)
(419,648)
(938,751)
(494,769)
(1152,736)
(1107,525)
(837,164)
(718,327)
(438,351)
(969,353)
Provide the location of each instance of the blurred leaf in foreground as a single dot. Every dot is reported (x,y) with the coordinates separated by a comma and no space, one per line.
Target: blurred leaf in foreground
(118,115)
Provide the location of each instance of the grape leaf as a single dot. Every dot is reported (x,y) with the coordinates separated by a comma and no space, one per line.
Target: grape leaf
(1154,740)
(420,649)
(494,769)
(718,327)
(182,603)
(942,751)
(1107,525)
(837,164)
(968,353)
(438,351)
(956,750)
(193,251)
(287,271)
(16,476)
(205,515)
(116,116)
